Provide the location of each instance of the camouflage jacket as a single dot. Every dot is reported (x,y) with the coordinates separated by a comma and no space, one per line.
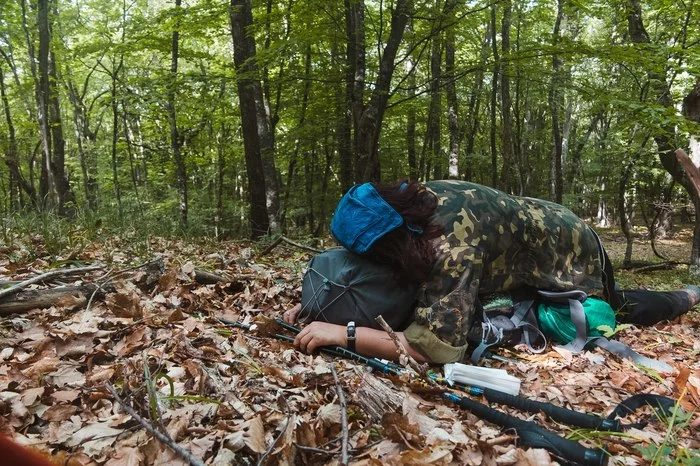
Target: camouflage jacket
(496,242)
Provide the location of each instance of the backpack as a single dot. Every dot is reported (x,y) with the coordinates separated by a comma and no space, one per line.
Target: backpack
(570,318)
(340,286)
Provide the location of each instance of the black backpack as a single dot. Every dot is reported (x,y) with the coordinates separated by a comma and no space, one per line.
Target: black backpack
(340,286)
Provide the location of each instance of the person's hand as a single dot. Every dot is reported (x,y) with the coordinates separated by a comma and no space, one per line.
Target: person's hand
(290,315)
(318,334)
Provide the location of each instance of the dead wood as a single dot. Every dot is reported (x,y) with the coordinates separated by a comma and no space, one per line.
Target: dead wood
(377,397)
(207,278)
(344,458)
(284,239)
(46,276)
(70,296)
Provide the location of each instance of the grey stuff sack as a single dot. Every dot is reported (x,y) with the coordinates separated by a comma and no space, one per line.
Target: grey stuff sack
(340,286)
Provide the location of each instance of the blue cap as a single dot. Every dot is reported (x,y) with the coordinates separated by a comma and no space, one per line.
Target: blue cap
(362,217)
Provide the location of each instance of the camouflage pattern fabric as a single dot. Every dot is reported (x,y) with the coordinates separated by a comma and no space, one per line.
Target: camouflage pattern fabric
(496,242)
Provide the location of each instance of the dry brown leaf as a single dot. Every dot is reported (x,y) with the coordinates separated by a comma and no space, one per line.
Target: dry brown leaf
(125,305)
(126,456)
(59,412)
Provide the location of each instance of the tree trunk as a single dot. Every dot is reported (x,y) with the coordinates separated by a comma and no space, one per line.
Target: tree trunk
(660,90)
(223,137)
(115,139)
(247,83)
(506,182)
(12,154)
(297,142)
(370,124)
(355,76)
(555,178)
(413,171)
(494,96)
(472,126)
(85,140)
(434,135)
(175,140)
(47,189)
(66,198)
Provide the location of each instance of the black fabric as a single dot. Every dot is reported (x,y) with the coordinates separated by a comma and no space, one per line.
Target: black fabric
(642,307)
(340,286)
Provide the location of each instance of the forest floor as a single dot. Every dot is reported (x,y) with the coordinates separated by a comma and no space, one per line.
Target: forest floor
(230,396)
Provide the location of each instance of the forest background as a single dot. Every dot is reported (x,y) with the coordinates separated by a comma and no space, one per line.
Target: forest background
(247,118)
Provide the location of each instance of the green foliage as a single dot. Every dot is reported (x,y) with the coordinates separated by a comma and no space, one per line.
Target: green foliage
(104,47)
(670,451)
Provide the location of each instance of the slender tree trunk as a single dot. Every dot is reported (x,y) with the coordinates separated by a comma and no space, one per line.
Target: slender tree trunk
(472,126)
(555,179)
(66,198)
(322,214)
(175,139)
(370,124)
(221,140)
(494,96)
(297,143)
(12,154)
(413,169)
(247,83)
(506,182)
(435,111)
(115,139)
(625,213)
(521,160)
(343,114)
(355,75)
(47,189)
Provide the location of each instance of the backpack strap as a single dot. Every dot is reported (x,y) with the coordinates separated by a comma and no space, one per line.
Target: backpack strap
(574,298)
(619,348)
(578,317)
(523,318)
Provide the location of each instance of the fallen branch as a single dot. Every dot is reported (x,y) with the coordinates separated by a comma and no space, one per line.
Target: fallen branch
(73,296)
(344,459)
(261,462)
(281,239)
(162,437)
(421,369)
(45,276)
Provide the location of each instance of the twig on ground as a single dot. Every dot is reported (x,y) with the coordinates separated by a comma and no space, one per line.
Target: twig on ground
(421,369)
(344,459)
(281,239)
(162,437)
(152,395)
(45,276)
(261,462)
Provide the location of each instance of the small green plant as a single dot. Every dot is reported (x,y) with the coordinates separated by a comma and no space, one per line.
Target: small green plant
(670,451)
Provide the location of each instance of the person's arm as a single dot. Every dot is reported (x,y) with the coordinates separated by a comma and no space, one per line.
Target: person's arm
(368,341)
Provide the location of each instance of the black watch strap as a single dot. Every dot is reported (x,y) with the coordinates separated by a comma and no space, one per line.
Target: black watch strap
(351,336)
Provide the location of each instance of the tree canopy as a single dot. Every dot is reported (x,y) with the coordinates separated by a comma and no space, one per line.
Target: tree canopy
(253,117)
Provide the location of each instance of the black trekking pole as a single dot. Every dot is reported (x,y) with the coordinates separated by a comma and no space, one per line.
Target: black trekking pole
(556,413)
(533,435)
(530,433)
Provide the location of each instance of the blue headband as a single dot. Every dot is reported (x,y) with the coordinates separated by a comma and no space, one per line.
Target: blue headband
(362,217)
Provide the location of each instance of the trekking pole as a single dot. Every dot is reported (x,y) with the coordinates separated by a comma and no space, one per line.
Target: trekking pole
(557,413)
(530,433)
(338,351)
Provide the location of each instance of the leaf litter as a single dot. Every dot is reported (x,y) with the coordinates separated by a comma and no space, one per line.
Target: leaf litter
(236,397)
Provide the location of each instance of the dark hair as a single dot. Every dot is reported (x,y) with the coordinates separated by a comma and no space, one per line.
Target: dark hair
(409,253)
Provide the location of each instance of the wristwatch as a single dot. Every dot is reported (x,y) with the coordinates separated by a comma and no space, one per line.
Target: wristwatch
(351,336)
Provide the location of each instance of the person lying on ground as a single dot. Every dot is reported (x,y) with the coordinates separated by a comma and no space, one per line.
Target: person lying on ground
(457,242)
